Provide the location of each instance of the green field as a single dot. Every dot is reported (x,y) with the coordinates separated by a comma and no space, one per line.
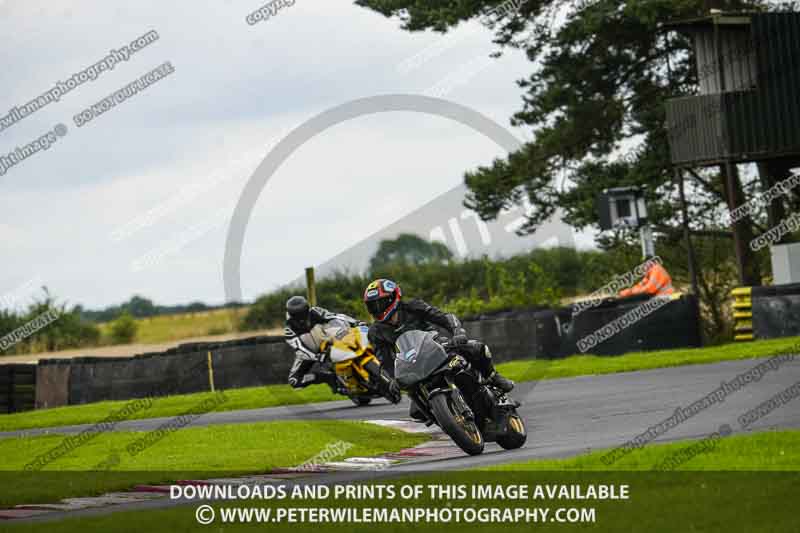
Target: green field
(522,370)
(168,328)
(234,449)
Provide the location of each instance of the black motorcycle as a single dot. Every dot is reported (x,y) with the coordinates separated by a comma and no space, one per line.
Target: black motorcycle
(455,396)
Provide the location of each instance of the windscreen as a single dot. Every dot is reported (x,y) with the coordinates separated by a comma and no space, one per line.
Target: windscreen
(418,356)
(333,329)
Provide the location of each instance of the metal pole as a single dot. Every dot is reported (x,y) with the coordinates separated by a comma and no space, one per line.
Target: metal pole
(311,286)
(646,236)
(730,178)
(687,233)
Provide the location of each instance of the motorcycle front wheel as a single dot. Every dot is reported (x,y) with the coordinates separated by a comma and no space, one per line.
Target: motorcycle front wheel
(516,434)
(360,400)
(463,432)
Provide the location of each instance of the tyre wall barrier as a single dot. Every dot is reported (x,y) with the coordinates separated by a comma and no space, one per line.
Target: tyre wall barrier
(673,325)
(520,335)
(242,363)
(52,383)
(260,361)
(17,388)
(776,311)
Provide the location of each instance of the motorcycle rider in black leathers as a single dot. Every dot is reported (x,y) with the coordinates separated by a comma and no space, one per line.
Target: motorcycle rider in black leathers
(394,316)
(300,318)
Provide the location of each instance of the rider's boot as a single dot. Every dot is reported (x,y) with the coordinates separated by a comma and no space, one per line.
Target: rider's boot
(486,367)
(331,379)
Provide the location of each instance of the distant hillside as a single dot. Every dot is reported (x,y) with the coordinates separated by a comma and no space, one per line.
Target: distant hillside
(140,307)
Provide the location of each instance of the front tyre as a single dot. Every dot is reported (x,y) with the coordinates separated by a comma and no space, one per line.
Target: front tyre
(515,435)
(463,432)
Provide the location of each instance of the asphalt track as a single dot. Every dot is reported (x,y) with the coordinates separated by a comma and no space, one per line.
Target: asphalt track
(567,416)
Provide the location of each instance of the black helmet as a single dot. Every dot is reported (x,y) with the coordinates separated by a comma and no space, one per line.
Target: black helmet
(297,309)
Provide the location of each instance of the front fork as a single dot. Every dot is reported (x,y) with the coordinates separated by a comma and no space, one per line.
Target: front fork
(459,404)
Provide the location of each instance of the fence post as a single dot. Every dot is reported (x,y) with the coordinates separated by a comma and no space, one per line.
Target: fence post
(210,372)
(311,286)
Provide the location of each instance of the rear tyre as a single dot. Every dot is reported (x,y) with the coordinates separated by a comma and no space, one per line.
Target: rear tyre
(516,434)
(361,400)
(463,432)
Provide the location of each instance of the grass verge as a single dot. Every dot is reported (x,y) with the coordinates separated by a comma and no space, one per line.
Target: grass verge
(247,398)
(522,370)
(771,450)
(234,449)
(584,365)
(697,501)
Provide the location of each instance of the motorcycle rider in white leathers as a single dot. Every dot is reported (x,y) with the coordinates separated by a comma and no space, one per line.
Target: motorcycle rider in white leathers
(300,318)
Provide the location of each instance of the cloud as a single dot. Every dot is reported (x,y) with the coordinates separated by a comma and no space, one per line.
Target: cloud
(237,90)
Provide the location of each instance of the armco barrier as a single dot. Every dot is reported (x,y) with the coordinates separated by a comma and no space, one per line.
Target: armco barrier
(260,361)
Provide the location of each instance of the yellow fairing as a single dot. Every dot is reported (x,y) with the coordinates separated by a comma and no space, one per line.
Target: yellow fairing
(353,373)
(350,354)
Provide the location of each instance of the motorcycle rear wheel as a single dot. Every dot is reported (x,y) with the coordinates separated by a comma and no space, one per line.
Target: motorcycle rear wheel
(463,432)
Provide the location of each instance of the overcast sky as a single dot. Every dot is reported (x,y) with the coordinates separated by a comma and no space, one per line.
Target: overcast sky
(177,154)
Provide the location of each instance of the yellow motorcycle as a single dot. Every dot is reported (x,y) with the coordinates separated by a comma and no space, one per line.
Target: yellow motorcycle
(351,356)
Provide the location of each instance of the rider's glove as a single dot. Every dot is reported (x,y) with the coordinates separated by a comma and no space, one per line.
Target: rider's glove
(460,336)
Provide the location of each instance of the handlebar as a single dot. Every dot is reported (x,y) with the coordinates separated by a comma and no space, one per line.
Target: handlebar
(449,345)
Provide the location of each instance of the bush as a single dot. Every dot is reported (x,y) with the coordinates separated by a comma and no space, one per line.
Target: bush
(123,329)
(466,288)
(538,278)
(508,290)
(69,330)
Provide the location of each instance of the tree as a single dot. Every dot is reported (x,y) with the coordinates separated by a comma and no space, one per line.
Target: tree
(65,328)
(123,329)
(409,249)
(597,87)
(139,307)
(594,101)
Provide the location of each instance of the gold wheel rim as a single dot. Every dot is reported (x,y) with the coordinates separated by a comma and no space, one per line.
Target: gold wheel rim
(516,424)
(470,428)
(476,437)
(472,431)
